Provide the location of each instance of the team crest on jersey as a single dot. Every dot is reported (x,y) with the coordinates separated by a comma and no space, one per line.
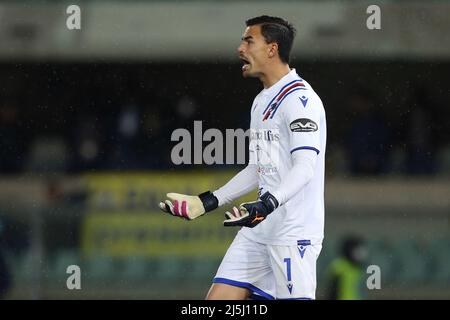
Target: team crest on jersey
(303,125)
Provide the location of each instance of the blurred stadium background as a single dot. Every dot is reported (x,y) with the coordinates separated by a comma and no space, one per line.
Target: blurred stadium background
(86,118)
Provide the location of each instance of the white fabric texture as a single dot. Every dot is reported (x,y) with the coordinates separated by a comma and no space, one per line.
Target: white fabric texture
(264,270)
(288,119)
(304,162)
(242,183)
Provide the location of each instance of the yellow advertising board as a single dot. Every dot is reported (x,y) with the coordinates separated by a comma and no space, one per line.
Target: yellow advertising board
(123,218)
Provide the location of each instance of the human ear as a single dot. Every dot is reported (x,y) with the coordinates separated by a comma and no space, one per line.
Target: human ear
(272,50)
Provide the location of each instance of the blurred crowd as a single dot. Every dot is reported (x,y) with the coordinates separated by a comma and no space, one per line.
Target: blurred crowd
(74,121)
(371,141)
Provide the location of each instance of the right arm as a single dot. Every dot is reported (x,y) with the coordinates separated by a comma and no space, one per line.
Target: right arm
(242,183)
(191,207)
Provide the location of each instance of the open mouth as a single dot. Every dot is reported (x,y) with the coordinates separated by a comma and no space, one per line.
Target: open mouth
(246,64)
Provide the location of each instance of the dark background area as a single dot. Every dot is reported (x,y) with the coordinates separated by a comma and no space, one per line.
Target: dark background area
(373,107)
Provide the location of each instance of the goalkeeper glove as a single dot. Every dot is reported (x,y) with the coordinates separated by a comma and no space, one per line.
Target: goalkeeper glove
(189,207)
(250,214)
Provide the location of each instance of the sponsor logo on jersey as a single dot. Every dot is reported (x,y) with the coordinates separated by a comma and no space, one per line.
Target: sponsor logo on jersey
(302,250)
(304,100)
(266,135)
(302,244)
(267,171)
(290,286)
(303,125)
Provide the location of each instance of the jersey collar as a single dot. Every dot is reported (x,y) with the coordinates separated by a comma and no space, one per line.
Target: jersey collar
(292,75)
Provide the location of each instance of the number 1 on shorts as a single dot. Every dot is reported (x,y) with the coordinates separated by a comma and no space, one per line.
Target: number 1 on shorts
(288,267)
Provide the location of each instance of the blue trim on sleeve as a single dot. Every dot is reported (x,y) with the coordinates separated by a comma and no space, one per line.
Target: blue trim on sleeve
(244,285)
(302,298)
(305,148)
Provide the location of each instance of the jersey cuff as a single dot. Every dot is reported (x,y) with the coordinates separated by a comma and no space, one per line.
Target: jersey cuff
(305,148)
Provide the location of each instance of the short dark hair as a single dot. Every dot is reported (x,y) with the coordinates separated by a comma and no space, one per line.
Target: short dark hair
(277,30)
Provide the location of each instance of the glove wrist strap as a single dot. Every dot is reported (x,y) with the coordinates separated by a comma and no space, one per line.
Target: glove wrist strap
(270,201)
(209,200)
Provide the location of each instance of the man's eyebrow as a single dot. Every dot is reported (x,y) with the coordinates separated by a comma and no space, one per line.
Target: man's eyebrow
(246,38)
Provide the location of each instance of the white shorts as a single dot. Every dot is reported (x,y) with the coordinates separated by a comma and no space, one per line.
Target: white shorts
(270,271)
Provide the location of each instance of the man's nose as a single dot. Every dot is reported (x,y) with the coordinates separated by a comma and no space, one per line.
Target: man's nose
(240,49)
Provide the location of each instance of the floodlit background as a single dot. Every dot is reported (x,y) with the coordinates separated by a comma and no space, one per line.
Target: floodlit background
(86,118)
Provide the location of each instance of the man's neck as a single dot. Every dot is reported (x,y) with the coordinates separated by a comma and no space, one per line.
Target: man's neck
(270,78)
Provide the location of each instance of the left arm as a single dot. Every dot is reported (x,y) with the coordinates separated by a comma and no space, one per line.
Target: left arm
(298,176)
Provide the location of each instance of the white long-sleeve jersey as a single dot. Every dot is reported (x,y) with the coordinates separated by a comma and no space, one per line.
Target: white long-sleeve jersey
(287,158)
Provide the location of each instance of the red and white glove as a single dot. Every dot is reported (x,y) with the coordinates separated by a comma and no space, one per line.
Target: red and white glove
(189,207)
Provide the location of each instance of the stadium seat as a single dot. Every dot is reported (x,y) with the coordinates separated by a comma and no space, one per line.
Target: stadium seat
(61,260)
(203,268)
(414,261)
(328,253)
(171,268)
(440,269)
(48,155)
(380,254)
(102,268)
(443,159)
(136,268)
(25,267)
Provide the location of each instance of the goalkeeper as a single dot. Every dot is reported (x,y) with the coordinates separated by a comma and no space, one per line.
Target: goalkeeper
(274,254)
